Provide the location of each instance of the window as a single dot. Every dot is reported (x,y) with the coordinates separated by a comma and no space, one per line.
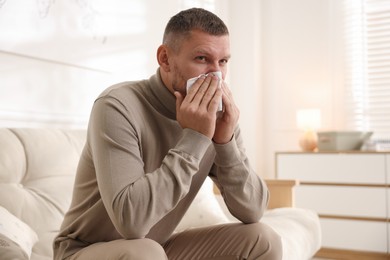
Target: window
(368,66)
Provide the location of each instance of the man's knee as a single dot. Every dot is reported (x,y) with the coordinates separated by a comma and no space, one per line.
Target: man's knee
(267,243)
(146,250)
(122,249)
(153,250)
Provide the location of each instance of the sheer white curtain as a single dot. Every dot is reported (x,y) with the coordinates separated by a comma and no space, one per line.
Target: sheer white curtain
(367,32)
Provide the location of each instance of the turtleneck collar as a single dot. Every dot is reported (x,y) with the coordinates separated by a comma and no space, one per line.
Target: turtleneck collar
(163,95)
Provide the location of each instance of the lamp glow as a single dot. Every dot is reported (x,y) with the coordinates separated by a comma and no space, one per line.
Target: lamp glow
(308,120)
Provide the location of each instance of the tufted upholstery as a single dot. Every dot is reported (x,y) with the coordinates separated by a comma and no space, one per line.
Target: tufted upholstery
(37,170)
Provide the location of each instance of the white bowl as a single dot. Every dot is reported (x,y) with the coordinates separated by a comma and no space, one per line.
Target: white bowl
(342,140)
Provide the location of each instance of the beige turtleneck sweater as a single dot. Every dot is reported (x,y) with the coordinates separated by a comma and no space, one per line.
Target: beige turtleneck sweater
(139,171)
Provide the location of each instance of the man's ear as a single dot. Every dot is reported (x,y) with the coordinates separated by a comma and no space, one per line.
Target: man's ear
(163,58)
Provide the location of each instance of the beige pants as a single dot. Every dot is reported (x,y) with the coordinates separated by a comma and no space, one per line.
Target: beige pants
(220,242)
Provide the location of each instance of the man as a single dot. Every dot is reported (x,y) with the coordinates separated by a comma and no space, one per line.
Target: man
(150,145)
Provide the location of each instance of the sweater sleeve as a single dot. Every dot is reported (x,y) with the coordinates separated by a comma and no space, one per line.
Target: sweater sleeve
(131,196)
(244,192)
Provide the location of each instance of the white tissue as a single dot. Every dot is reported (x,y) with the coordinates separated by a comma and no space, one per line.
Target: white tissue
(191,81)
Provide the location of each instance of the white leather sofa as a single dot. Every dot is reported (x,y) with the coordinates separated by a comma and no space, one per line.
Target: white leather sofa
(37,170)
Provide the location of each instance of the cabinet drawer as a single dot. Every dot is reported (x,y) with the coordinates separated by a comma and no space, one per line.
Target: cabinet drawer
(388,204)
(343,200)
(388,191)
(354,235)
(332,168)
(388,238)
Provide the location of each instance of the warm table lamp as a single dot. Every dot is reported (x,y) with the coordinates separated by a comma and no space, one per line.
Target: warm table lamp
(308,120)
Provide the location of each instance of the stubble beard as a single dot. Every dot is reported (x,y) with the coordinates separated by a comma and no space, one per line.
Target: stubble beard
(178,83)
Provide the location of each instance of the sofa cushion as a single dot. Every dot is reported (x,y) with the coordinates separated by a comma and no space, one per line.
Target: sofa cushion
(37,171)
(204,210)
(299,229)
(9,250)
(16,237)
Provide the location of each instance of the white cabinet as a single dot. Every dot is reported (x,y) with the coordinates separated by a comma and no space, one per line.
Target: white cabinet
(350,192)
(343,200)
(333,168)
(370,236)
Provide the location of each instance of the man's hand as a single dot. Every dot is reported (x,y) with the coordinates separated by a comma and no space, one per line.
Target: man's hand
(227,122)
(198,110)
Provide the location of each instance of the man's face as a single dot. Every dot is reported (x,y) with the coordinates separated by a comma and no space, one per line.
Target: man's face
(201,53)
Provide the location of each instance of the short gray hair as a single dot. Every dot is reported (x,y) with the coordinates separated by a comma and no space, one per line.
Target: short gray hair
(181,25)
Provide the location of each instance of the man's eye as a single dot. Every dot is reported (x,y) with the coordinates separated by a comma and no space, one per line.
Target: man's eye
(223,62)
(201,58)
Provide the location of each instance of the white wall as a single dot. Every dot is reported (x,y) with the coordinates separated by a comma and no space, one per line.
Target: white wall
(287,55)
(302,68)
(245,73)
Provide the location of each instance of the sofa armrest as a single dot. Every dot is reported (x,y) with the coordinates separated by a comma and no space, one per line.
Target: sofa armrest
(281,193)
